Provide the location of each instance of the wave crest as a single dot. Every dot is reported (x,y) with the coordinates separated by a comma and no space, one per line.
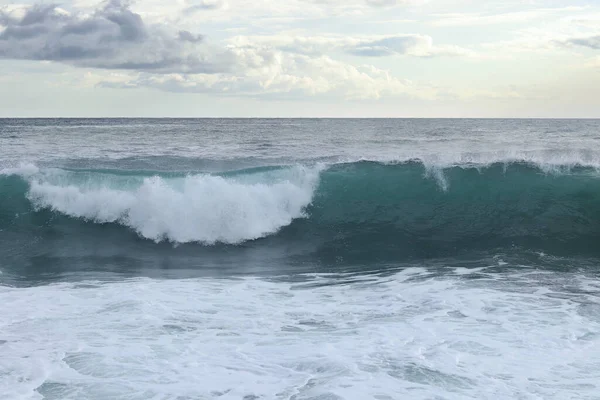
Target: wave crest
(196,208)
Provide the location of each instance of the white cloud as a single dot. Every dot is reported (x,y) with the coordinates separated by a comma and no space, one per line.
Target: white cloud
(463,19)
(366,46)
(263,73)
(566,34)
(254,11)
(590,21)
(593,63)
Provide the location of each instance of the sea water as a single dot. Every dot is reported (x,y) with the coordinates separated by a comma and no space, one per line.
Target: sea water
(299,259)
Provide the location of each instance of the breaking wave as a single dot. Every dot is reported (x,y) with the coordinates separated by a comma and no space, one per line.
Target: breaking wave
(352,209)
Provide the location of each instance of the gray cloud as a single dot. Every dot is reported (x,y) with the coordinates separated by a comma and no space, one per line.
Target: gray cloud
(187,36)
(593,42)
(113,37)
(131,26)
(389,46)
(39,14)
(206,5)
(4,19)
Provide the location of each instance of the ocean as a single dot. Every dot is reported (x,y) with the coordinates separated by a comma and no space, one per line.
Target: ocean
(299,259)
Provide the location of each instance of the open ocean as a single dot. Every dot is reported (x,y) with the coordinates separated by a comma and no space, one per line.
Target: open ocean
(299,259)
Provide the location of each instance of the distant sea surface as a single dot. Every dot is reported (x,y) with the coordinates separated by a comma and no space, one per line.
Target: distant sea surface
(299,259)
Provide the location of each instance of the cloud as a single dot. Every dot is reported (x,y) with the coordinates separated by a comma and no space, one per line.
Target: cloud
(363,46)
(593,63)
(554,39)
(466,19)
(261,12)
(187,36)
(206,5)
(111,37)
(589,20)
(114,37)
(559,35)
(286,76)
(391,46)
(593,42)
(371,3)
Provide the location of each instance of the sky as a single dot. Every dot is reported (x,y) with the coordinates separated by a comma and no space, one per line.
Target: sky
(300,58)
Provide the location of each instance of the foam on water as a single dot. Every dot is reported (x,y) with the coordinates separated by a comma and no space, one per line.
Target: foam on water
(415,335)
(196,208)
(22,169)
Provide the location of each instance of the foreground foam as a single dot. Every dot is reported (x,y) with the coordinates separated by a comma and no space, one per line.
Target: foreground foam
(197,208)
(416,334)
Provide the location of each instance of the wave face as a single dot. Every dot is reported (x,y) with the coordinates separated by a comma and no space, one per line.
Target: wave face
(414,210)
(350,212)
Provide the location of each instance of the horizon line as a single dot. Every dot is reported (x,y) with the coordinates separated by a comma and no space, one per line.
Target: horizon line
(329,117)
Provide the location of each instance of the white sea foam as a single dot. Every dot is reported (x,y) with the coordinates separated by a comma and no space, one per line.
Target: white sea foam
(22,169)
(442,156)
(197,208)
(503,336)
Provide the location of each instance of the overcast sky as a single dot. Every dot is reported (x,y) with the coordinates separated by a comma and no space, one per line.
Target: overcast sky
(339,58)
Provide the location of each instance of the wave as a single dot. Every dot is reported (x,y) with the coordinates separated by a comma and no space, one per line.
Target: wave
(193,208)
(349,209)
(548,157)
